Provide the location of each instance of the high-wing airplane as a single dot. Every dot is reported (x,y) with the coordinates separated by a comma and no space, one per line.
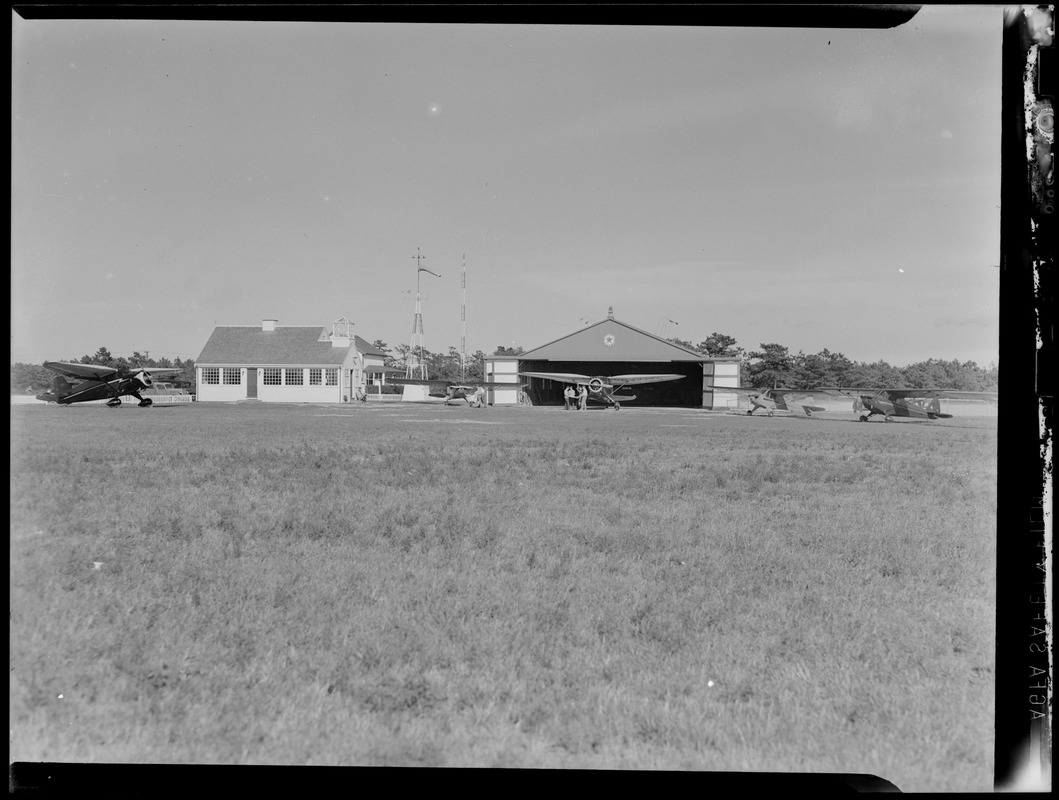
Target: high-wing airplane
(603,388)
(450,390)
(916,403)
(772,400)
(99,383)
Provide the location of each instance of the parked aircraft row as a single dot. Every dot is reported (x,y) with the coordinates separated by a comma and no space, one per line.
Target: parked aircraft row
(110,384)
(887,403)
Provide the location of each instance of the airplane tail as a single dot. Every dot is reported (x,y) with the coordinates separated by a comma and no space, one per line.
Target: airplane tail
(934,410)
(60,388)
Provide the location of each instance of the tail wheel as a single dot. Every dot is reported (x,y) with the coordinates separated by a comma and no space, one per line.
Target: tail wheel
(770,413)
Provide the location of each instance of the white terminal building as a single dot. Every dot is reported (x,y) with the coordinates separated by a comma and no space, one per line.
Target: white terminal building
(277,363)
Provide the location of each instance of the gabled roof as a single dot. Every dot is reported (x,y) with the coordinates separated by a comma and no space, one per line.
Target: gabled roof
(292,344)
(611,340)
(367,349)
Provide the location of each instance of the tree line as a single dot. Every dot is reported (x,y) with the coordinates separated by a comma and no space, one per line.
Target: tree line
(773,365)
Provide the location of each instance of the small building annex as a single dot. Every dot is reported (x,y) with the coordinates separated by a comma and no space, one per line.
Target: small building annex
(286,363)
(612,347)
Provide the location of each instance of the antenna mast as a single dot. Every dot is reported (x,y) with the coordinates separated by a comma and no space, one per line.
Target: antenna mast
(415,353)
(463,320)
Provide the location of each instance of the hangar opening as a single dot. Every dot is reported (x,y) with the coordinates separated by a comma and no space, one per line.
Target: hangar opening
(684,392)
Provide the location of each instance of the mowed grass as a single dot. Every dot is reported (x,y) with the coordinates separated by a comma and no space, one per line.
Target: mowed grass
(413,584)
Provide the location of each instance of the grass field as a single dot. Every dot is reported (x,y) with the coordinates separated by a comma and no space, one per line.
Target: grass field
(510,587)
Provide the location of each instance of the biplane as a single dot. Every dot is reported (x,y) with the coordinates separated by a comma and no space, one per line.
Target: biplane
(99,383)
(915,403)
(604,388)
(452,390)
(773,400)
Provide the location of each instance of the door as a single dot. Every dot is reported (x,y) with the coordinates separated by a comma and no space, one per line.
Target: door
(251,383)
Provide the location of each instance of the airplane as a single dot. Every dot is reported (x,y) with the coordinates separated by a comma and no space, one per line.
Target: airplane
(772,400)
(915,403)
(98,383)
(450,390)
(603,388)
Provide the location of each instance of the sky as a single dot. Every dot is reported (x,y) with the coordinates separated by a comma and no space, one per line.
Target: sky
(815,188)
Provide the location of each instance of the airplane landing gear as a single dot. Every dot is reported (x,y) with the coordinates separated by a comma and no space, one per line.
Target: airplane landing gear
(863,417)
(750,413)
(147,401)
(114,402)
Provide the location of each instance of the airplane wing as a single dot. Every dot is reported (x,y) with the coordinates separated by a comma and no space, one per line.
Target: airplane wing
(564,377)
(629,380)
(897,393)
(434,384)
(950,394)
(743,390)
(157,370)
(613,380)
(746,391)
(488,385)
(92,372)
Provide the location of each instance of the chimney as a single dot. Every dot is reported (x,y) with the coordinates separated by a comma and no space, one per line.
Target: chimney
(268,324)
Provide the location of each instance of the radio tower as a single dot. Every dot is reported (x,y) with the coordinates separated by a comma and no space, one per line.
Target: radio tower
(463,320)
(415,354)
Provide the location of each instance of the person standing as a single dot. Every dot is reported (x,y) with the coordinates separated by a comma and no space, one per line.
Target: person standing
(568,397)
(583,399)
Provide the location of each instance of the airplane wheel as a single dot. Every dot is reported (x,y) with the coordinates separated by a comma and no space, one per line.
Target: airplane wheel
(863,418)
(147,401)
(750,412)
(113,403)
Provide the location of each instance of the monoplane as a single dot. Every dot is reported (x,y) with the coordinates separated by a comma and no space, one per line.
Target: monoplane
(915,403)
(604,388)
(451,390)
(99,383)
(773,400)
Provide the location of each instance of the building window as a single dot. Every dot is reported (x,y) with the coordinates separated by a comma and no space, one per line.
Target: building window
(293,377)
(272,376)
(315,376)
(332,377)
(211,374)
(232,377)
